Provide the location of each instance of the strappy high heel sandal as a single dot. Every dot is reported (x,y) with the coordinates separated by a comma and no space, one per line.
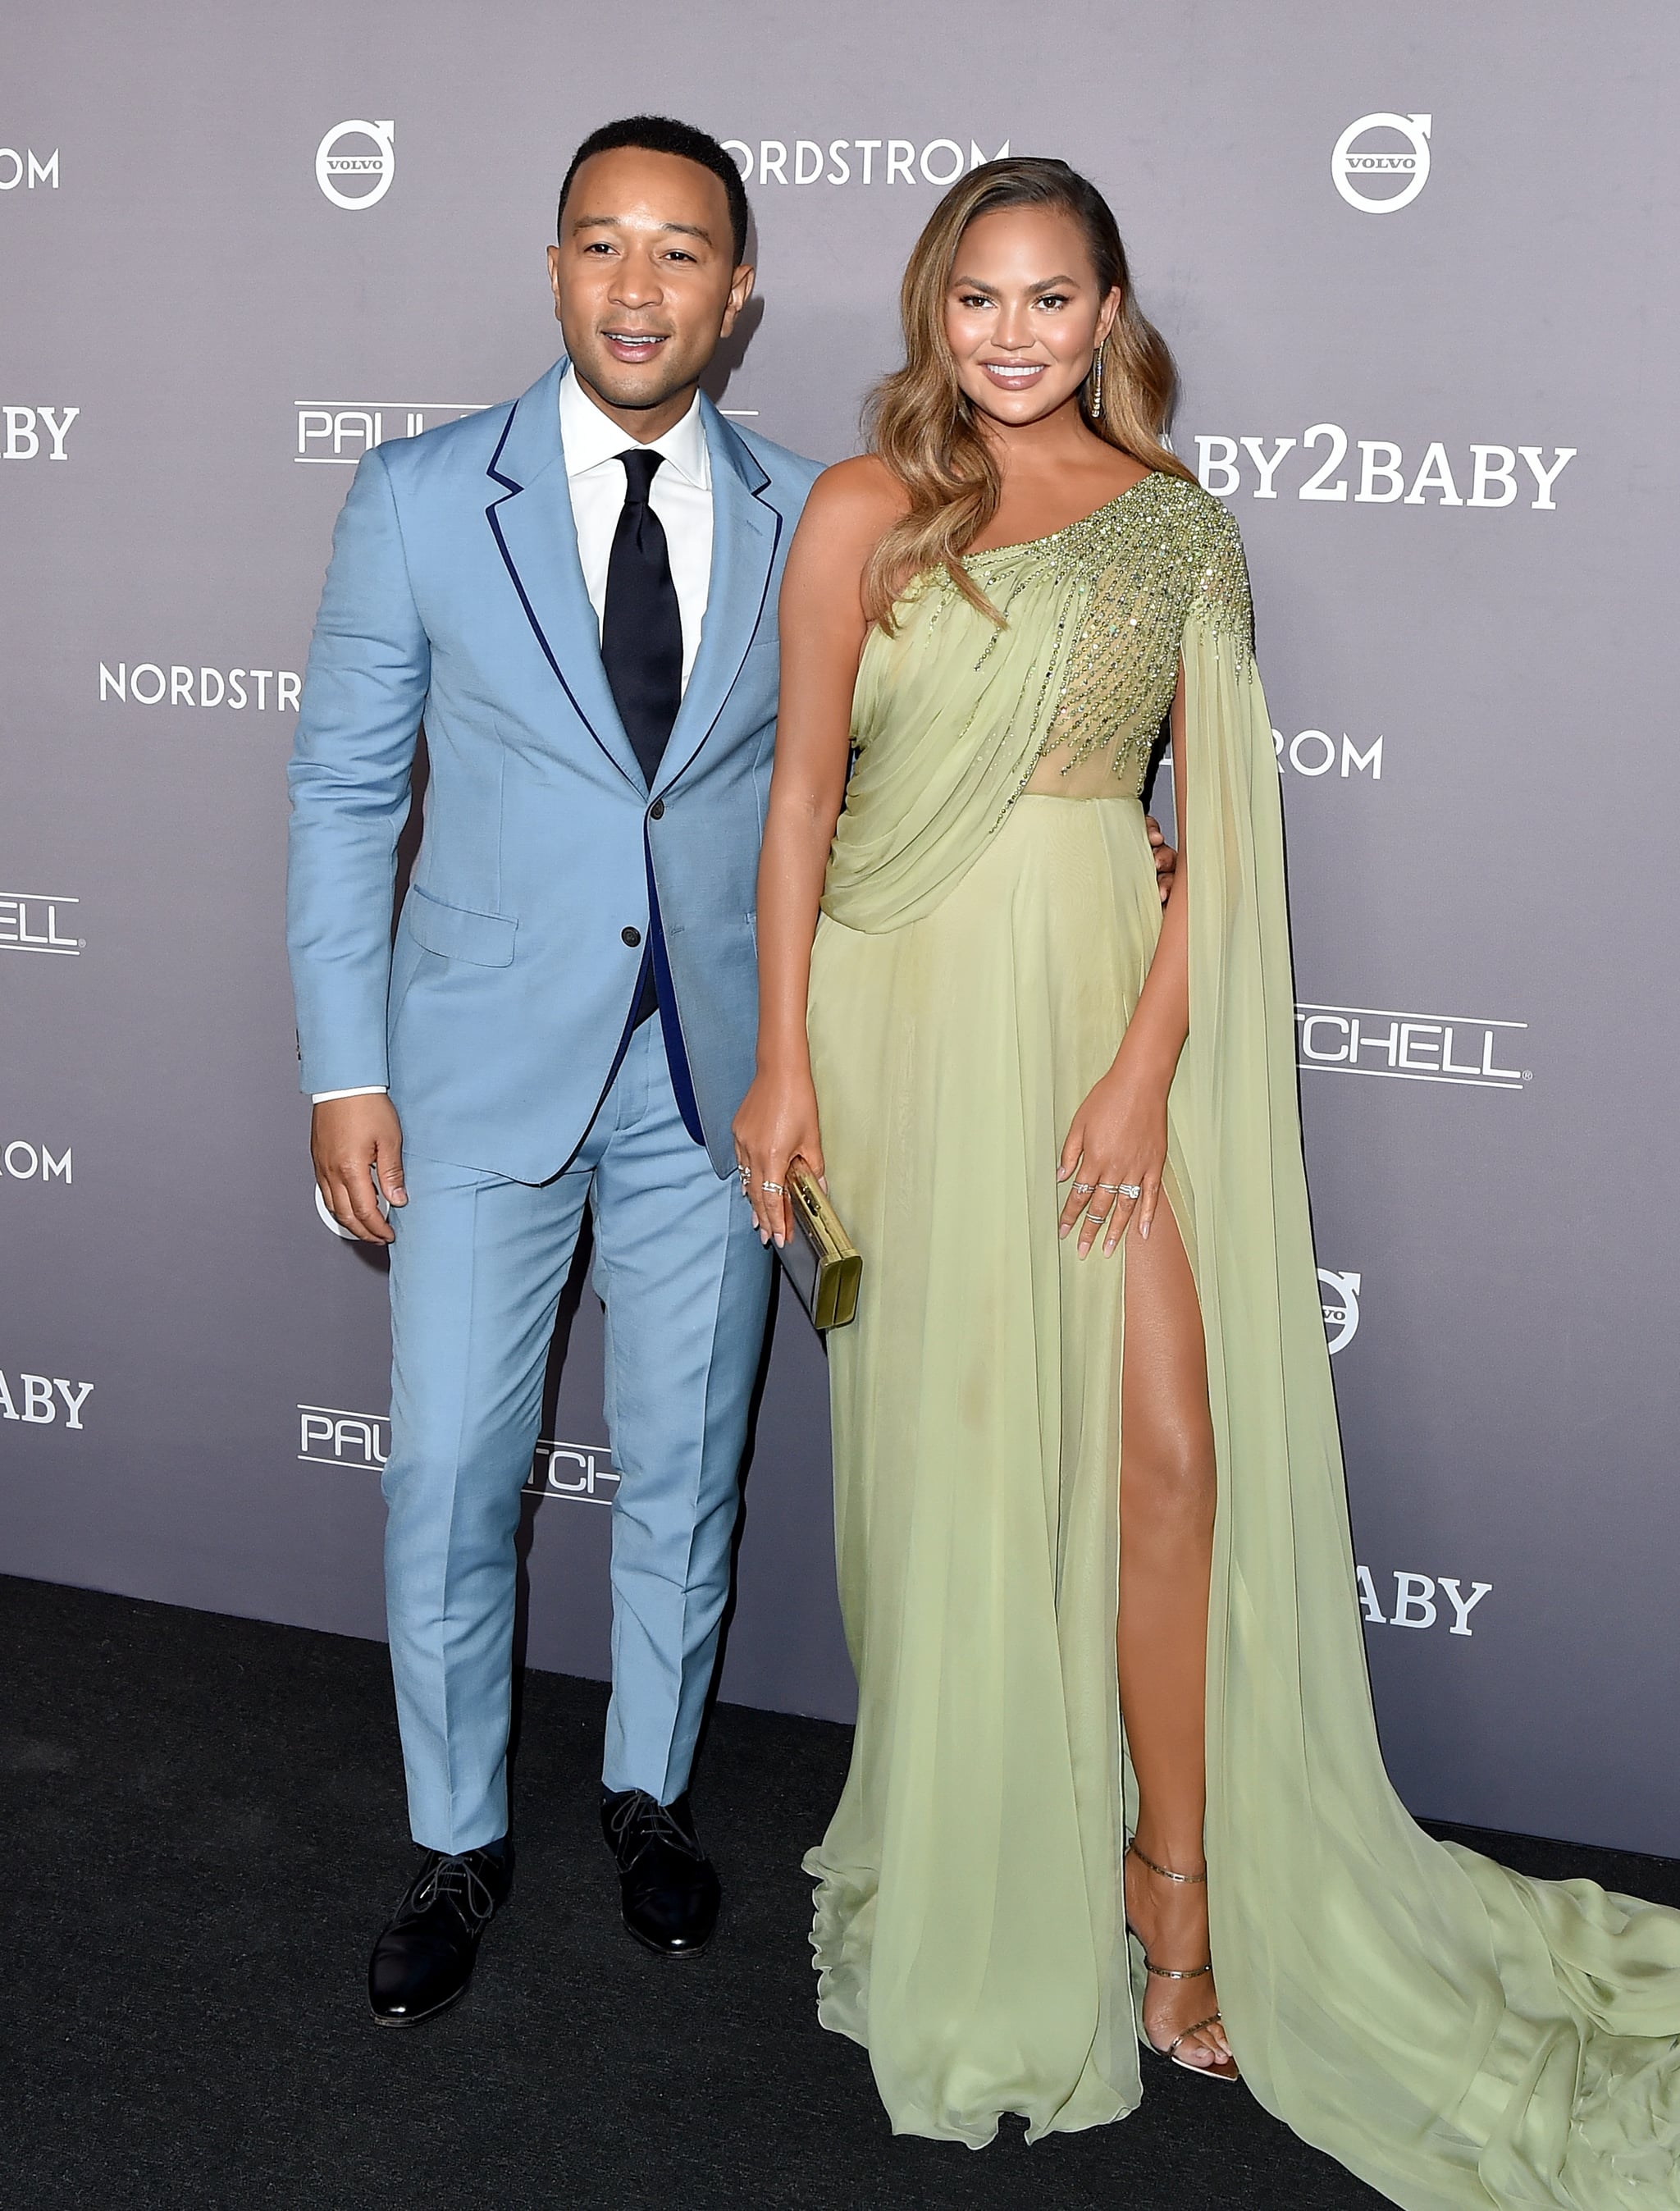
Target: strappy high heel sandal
(1223,2068)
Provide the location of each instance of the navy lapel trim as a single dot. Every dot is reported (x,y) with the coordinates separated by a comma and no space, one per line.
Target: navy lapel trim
(546,390)
(493,471)
(746,533)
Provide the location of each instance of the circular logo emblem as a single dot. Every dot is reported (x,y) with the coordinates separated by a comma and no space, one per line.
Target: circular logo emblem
(1340,1301)
(337,1227)
(321,1207)
(1366,175)
(356,174)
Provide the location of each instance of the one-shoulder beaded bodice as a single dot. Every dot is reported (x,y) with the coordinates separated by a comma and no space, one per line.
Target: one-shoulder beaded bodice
(1055,682)
(1148,561)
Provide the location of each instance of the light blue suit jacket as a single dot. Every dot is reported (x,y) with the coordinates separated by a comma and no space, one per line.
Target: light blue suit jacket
(454,596)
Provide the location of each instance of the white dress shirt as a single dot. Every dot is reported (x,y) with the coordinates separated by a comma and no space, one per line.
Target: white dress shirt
(681,497)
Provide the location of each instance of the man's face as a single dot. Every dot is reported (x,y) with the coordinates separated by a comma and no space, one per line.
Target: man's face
(645,281)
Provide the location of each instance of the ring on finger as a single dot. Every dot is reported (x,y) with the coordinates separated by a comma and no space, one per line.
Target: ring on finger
(774,1188)
(1132,1190)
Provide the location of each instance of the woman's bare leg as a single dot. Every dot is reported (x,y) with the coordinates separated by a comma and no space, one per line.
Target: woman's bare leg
(1167,1489)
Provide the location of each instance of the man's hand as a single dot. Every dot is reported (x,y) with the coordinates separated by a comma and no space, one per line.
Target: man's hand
(351,1139)
(1166,860)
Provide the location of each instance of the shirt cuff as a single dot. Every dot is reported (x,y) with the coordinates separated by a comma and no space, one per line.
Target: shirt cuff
(367,1090)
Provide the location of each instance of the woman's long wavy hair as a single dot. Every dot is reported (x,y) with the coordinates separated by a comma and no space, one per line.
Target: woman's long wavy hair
(923,425)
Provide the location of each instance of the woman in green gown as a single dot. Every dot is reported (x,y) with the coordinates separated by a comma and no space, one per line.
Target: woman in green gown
(1090,1521)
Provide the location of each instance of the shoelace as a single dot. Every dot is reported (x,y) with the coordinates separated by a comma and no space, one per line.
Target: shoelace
(640,1811)
(456,1881)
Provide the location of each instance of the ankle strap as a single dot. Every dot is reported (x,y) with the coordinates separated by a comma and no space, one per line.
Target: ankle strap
(1165,1872)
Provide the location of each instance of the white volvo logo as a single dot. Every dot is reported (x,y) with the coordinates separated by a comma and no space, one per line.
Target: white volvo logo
(375,170)
(1340,1301)
(1353,167)
(328,1219)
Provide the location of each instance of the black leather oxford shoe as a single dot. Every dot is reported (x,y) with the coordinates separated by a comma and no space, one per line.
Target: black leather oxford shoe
(424,1957)
(670,1886)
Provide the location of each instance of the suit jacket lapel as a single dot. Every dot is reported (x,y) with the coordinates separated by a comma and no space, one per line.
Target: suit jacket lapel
(746,529)
(532,523)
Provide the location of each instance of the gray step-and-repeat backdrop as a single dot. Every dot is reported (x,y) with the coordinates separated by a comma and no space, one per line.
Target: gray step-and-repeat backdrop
(1409,258)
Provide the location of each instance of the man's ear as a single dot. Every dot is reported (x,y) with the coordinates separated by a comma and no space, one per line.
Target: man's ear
(740,291)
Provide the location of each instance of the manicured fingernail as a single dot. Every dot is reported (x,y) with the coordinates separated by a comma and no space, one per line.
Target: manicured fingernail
(1145,1232)
(1061,1228)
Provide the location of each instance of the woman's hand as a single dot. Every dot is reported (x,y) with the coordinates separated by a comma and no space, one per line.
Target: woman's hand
(1165,859)
(776,1125)
(1116,1153)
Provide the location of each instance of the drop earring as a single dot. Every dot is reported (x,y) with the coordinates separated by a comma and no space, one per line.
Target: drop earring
(1096,385)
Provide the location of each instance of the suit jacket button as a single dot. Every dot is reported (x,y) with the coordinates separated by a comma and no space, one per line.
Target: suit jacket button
(631,936)
(657,809)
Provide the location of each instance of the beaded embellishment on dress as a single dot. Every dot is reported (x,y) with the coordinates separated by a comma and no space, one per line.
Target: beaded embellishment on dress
(1144,564)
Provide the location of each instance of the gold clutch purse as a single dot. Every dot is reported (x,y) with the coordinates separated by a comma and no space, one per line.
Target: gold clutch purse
(820,1258)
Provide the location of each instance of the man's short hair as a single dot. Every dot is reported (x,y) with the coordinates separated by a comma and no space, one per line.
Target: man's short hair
(662,134)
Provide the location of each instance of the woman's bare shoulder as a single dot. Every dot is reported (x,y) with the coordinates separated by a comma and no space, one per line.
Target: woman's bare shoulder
(851,507)
(859,499)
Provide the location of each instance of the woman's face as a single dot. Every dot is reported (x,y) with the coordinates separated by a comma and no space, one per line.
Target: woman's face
(1023,314)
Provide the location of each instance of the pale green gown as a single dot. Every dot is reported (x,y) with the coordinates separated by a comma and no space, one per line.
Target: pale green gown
(1455,2034)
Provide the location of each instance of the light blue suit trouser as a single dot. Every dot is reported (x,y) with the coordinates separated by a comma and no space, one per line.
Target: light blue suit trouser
(477,1273)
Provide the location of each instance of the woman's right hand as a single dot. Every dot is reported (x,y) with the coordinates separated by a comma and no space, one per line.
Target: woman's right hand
(776,1125)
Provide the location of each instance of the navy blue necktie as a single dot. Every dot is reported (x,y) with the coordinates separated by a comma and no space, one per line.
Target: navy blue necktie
(641,629)
(641,649)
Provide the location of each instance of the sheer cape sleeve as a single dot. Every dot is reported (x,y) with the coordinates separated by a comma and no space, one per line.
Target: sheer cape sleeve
(1453,2033)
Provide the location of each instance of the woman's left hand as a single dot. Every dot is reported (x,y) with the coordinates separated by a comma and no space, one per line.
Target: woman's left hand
(1117,1145)
(1165,859)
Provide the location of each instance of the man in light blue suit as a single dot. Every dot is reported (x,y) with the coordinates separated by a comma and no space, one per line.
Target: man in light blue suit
(577,594)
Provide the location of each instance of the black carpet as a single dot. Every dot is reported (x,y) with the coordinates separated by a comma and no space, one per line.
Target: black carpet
(203,1828)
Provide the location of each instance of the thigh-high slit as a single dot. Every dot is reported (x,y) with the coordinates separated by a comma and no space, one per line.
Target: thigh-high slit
(970,1927)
